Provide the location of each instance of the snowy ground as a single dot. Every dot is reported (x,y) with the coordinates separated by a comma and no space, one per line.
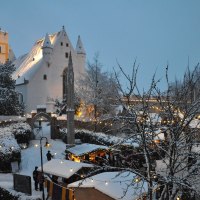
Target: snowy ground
(31,158)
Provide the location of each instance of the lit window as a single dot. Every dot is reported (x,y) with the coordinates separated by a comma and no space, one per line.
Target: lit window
(45,77)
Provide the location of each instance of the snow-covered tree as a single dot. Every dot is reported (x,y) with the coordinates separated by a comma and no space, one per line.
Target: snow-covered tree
(98,89)
(9,100)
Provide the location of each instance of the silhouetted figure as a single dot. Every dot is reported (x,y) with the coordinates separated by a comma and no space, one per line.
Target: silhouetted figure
(49,156)
(35,177)
(41,181)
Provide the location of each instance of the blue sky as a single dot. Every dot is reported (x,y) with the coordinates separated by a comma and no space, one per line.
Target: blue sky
(154,32)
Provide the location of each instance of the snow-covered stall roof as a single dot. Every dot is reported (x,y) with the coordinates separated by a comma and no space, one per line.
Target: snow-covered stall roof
(195,123)
(63,168)
(85,148)
(115,184)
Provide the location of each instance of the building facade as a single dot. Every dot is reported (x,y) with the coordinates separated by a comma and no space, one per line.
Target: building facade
(6,52)
(40,74)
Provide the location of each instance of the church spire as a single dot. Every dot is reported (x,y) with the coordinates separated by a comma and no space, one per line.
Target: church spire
(47,42)
(70,102)
(79,46)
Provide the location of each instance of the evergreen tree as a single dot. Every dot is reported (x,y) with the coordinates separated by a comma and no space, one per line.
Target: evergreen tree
(9,101)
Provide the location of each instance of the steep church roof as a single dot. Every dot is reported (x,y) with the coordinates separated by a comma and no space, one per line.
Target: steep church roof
(27,65)
(79,46)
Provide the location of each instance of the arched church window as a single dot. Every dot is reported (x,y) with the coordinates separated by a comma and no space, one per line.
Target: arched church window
(45,77)
(66,55)
(67,44)
(20,97)
(61,44)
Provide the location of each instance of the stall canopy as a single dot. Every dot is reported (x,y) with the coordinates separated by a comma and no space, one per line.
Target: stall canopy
(63,168)
(118,185)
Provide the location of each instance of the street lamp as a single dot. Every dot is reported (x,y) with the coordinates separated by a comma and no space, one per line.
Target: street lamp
(46,145)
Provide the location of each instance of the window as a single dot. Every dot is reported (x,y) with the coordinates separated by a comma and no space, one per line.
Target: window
(61,43)
(48,64)
(45,77)
(66,55)
(67,44)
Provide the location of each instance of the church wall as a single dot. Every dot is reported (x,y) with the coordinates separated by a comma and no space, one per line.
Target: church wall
(40,90)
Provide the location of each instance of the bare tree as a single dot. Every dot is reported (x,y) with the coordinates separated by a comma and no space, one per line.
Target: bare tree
(170,141)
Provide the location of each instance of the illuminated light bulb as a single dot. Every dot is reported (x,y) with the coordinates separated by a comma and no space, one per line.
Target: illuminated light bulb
(36,145)
(12,147)
(61,162)
(137,180)
(55,153)
(92,180)
(0,146)
(71,170)
(106,183)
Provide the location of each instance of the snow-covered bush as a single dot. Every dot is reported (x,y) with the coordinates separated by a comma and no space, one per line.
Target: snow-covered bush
(22,132)
(9,149)
(4,194)
(100,138)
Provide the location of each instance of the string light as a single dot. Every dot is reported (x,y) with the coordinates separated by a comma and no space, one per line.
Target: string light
(92,180)
(106,183)
(71,170)
(36,145)
(61,162)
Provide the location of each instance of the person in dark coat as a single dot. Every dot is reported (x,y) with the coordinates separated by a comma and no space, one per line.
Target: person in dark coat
(49,156)
(41,180)
(35,177)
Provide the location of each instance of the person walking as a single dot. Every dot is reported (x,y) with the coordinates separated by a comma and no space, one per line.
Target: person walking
(49,156)
(35,178)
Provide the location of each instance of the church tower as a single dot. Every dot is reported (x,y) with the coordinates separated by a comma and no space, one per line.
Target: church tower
(47,50)
(81,54)
(4,47)
(70,102)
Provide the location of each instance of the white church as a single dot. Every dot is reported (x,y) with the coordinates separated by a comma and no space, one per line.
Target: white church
(40,75)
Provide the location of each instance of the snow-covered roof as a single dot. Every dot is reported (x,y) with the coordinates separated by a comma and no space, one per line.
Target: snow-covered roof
(63,168)
(27,65)
(115,185)
(85,148)
(154,117)
(195,123)
(41,106)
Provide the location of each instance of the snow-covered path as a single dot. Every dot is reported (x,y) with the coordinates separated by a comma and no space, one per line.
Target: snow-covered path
(31,158)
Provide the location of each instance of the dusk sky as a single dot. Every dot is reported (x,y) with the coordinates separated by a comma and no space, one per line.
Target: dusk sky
(154,32)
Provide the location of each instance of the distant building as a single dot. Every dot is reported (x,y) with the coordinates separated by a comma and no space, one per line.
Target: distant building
(6,52)
(41,74)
